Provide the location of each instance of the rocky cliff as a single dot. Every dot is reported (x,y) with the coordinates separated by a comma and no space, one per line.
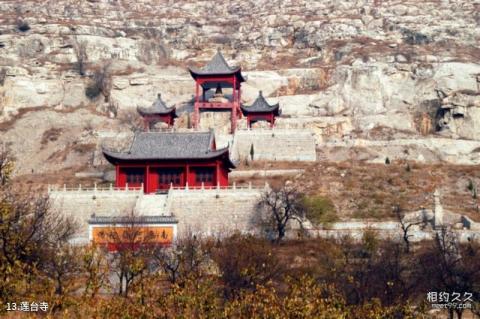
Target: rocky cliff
(72,72)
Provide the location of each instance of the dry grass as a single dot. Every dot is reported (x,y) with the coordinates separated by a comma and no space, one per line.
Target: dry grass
(362,190)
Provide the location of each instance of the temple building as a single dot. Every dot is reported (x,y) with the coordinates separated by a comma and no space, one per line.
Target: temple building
(157,161)
(217,75)
(158,112)
(260,110)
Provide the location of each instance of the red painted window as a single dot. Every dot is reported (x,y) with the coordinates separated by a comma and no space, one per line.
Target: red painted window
(204,175)
(169,176)
(135,176)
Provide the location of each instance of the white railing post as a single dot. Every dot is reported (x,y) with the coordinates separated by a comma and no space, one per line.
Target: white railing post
(249,185)
(171,185)
(203,186)
(218,185)
(234,186)
(111,187)
(94,188)
(141,187)
(186,186)
(126,186)
(79,187)
(64,187)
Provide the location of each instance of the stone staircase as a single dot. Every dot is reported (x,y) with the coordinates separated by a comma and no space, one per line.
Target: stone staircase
(152,204)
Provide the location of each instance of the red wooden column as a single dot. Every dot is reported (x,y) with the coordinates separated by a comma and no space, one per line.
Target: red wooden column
(196,116)
(146,184)
(217,174)
(187,175)
(146,125)
(240,115)
(272,119)
(234,107)
(117,175)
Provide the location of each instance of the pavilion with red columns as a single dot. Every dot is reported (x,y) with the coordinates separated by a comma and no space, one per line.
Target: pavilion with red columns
(158,112)
(260,110)
(217,75)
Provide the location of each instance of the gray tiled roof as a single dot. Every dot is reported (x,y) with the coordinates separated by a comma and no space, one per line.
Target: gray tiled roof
(260,105)
(158,107)
(217,65)
(159,219)
(161,145)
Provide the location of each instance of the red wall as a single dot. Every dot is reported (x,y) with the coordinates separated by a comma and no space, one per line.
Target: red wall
(151,181)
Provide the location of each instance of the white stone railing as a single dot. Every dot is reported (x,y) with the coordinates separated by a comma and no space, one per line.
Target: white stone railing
(94,189)
(218,187)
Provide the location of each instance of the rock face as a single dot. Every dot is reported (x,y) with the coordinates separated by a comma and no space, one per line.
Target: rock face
(344,70)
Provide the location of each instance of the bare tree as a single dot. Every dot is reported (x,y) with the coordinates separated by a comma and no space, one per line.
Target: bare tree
(101,83)
(280,205)
(407,225)
(80,49)
(3,75)
(452,267)
(132,120)
(6,164)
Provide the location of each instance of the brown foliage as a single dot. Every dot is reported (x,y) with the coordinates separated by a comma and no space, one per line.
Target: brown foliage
(245,262)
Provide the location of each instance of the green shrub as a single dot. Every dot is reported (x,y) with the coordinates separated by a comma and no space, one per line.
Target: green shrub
(320,209)
(92,91)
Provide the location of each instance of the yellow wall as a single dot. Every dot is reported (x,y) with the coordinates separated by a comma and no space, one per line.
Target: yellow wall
(129,234)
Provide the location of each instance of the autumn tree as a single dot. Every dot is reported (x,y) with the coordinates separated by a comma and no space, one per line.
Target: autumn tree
(245,262)
(31,234)
(188,258)
(6,164)
(132,251)
(451,266)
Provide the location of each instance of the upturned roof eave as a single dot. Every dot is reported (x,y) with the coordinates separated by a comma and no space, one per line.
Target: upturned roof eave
(249,109)
(150,111)
(114,157)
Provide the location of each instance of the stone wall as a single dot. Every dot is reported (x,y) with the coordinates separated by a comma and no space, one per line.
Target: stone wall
(274,145)
(214,212)
(81,204)
(208,211)
(218,212)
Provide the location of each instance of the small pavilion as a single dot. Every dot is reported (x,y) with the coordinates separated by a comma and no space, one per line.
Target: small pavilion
(260,110)
(217,75)
(157,161)
(158,112)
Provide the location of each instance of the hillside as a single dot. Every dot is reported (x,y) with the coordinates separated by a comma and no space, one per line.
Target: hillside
(372,79)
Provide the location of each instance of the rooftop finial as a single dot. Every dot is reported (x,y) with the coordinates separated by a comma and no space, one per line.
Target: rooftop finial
(159,96)
(260,93)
